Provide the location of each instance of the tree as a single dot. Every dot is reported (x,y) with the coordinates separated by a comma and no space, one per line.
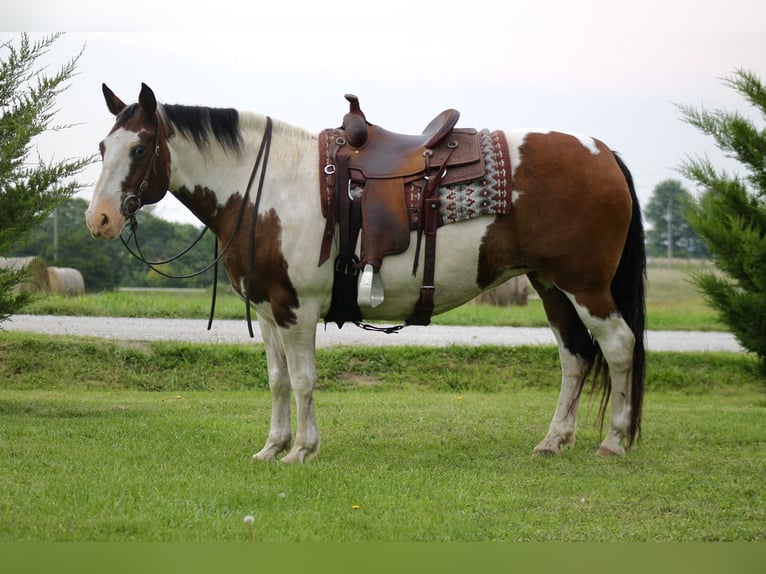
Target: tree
(29,190)
(730,214)
(666,212)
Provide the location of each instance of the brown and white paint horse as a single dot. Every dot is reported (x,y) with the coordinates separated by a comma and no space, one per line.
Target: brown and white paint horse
(574,228)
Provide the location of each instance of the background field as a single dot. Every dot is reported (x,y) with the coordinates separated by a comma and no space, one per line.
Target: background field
(672,304)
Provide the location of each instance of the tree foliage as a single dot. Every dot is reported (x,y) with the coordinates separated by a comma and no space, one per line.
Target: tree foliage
(30,188)
(730,214)
(668,205)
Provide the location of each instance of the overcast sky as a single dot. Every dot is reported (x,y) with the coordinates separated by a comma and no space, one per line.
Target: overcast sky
(613,70)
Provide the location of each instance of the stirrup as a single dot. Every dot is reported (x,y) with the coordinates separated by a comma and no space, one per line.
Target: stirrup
(370,288)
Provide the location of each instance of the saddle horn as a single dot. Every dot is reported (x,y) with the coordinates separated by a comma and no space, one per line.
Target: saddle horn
(354,123)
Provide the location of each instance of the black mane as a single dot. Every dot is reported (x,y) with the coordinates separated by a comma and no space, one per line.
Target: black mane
(198,123)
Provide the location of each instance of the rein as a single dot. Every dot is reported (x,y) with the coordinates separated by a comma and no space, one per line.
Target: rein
(132,203)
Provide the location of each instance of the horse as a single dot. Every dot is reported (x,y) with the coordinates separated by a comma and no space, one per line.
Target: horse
(573,226)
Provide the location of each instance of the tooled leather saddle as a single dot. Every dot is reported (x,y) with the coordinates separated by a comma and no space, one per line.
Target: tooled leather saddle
(385,185)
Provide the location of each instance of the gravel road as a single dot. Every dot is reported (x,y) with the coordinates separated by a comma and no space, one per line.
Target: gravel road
(195,330)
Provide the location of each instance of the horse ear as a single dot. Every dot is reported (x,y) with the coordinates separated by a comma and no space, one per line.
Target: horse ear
(147,100)
(115,104)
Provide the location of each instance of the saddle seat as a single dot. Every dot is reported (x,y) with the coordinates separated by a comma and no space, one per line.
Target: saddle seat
(382,154)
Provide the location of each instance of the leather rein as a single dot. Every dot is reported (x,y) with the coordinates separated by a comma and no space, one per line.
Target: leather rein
(132,203)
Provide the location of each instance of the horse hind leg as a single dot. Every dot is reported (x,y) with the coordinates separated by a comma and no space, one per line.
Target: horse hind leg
(576,354)
(616,341)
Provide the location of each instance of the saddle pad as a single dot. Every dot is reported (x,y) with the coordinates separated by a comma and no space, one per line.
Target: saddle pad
(487,196)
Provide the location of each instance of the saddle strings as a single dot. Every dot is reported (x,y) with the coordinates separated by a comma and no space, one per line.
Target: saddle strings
(263,154)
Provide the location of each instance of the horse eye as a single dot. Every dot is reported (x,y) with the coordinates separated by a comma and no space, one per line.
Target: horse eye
(138,151)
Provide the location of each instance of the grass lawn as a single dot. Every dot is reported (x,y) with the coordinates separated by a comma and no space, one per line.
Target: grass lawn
(395,466)
(106,441)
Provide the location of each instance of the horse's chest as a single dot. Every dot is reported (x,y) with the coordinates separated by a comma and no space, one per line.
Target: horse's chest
(258,270)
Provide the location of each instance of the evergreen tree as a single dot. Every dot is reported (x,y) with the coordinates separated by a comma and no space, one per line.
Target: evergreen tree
(29,190)
(666,212)
(730,214)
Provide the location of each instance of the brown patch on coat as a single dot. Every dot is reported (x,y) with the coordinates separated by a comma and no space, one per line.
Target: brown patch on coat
(269,280)
(570,221)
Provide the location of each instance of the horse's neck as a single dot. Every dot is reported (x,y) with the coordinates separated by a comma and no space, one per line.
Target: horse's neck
(200,174)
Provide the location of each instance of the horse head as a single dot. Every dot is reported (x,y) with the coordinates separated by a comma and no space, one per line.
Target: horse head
(135,163)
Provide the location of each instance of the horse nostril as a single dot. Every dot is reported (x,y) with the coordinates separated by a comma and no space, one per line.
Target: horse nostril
(104,220)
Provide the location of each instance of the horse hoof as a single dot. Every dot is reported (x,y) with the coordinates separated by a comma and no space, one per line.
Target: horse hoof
(259,457)
(545,452)
(266,454)
(608,451)
(299,455)
(554,444)
(293,458)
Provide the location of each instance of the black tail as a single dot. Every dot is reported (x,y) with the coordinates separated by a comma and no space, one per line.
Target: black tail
(628,292)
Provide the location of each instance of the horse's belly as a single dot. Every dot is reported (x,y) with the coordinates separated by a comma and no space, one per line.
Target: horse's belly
(455,272)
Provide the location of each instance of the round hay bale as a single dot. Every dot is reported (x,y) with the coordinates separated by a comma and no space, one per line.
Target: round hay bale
(65,281)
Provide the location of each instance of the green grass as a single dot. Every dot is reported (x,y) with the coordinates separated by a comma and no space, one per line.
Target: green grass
(116,441)
(672,304)
(29,362)
(173,304)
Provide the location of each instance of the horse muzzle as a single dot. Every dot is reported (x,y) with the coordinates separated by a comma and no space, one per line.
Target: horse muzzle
(103,223)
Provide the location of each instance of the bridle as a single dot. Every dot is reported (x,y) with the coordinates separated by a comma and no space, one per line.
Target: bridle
(133,202)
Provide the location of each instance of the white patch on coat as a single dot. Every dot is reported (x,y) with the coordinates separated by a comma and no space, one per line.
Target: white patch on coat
(588,142)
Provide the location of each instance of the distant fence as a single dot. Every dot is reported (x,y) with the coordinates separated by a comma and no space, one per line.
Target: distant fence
(677,261)
(44,279)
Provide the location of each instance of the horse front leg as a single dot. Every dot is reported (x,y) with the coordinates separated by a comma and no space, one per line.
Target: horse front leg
(300,350)
(280,433)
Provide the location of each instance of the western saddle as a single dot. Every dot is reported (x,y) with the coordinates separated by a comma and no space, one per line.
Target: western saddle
(385,185)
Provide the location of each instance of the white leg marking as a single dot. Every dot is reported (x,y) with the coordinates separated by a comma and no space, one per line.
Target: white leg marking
(561,432)
(300,350)
(616,341)
(280,433)
(290,353)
